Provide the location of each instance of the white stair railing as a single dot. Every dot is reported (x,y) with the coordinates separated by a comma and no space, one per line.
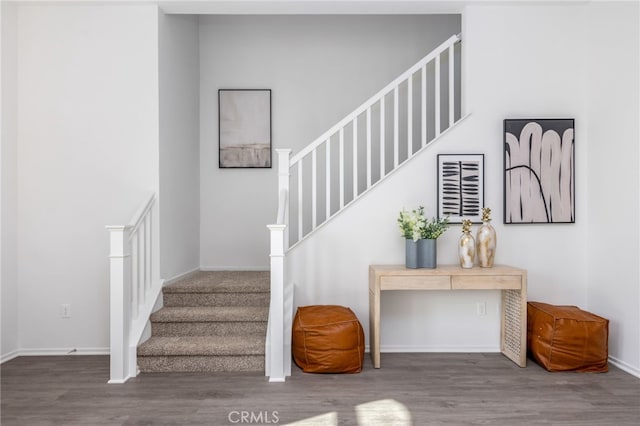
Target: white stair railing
(134,287)
(352,184)
(366,126)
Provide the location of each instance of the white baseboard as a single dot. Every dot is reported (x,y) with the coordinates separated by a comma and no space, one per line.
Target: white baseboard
(180,276)
(234,268)
(435,349)
(120,381)
(627,368)
(61,351)
(9,356)
(634,371)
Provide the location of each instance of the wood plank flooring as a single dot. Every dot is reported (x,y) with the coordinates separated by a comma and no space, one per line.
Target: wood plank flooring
(409,389)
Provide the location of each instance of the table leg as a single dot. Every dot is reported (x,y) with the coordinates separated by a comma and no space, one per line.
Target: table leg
(374,317)
(374,327)
(513,326)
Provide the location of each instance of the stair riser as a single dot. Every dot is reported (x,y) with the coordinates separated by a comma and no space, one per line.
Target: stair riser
(215,299)
(208,328)
(168,364)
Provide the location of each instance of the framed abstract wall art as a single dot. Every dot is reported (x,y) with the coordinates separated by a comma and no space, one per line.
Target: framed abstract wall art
(461,187)
(244,128)
(539,171)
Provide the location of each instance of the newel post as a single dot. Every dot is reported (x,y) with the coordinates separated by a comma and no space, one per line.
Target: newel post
(120,302)
(276,310)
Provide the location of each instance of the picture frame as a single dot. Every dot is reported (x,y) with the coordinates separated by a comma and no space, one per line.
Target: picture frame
(539,171)
(244,128)
(461,187)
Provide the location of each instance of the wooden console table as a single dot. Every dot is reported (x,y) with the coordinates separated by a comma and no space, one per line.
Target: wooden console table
(512,282)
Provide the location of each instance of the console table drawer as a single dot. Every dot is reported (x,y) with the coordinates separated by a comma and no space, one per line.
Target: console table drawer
(486,282)
(415,283)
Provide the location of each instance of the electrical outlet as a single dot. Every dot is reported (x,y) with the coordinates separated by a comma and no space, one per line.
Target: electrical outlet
(65,310)
(481,308)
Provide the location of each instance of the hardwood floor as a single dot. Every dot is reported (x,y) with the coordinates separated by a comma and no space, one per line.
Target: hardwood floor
(418,389)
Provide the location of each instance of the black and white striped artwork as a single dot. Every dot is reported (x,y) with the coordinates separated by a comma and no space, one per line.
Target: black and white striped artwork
(539,171)
(461,187)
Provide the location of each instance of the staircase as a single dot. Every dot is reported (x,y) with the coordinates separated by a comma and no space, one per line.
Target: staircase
(211,321)
(347,161)
(239,321)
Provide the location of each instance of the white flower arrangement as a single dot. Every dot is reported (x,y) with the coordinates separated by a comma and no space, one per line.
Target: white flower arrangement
(414,225)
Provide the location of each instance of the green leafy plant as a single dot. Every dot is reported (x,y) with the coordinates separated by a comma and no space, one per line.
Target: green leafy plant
(414,225)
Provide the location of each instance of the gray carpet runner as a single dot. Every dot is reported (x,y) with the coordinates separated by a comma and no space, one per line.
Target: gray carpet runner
(211,321)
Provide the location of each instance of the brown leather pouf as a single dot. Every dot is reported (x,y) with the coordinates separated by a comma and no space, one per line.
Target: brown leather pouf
(327,339)
(566,338)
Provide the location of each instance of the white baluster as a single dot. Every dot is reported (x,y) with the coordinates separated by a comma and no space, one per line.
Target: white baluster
(147,232)
(314,189)
(437,88)
(409,117)
(451,87)
(368,147)
(355,157)
(141,257)
(328,179)
(395,127)
(423,115)
(300,212)
(145,250)
(382,139)
(341,152)
(135,275)
(284,170)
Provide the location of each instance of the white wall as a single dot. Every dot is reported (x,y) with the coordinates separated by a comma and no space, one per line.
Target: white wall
(179,144)
(519,62)
(319,69)
(614,280)
(87,155)
(9,182)
(529,62)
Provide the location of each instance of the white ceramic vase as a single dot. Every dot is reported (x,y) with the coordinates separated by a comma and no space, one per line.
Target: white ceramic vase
(466,250)
(486,245)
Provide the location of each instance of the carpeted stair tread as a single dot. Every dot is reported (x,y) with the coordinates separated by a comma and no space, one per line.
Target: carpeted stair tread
(202,346)
(222,282)
(216,299)
(174,364)
(210,321)
(210,328)
(211,314)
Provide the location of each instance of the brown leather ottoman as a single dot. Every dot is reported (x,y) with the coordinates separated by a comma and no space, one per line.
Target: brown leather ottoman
(566,338)
(327,339)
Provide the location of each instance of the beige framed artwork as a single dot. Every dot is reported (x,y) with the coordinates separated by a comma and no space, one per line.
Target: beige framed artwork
(244,128)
